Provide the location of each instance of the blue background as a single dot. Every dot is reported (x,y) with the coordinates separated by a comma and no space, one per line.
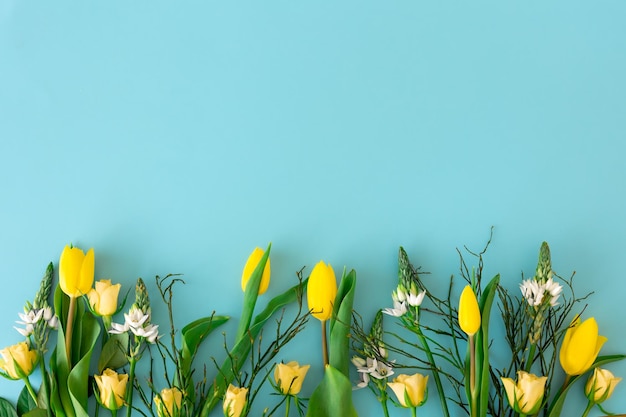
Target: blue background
(175,137)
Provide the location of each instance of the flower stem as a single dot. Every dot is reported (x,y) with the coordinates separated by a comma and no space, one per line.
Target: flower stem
(287,406)
(30,389)
(70,330)
(590,405)
(131,380)
(383,403)
(431,360)
(414,411)
(324,344)
(472,363)
(531,355)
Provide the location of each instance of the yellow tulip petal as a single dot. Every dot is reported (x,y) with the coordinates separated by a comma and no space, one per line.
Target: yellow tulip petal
(250,266)
(321,291)
(469,313)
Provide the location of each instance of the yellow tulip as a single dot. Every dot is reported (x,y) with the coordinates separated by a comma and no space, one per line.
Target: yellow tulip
(469,313)
(18,360)
(103,298)
(600,385)
(525,397)
(169,402)
(251,264)
(410,387)
(580,346)
(235,401)
(111,388)
(321,291)
(76,271)
(289,377)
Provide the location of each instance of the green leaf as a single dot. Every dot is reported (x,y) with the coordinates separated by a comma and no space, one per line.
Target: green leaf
(113,353)
(25,402)
(332,397)
(251,294)
(79,375)
(194,333)
(242,347)
(559,399)
(341,320)
(482,343)
(7,409)
(37,412)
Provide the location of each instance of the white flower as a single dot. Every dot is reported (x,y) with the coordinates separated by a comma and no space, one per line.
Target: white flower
(53,322)
(135,318)
(27,331)
(376,369)
(117,328)
(554,289)
(399,294)
(363,381)
(32,317)
(358,361)
(150,332)
(398,310)
(415,300)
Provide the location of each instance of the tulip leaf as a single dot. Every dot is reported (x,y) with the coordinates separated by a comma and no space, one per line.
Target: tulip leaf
(7,409)
(37,412)
(113,353)
(482,343)
(340,324)
(251,294)
(333,396)
(25,402)
(195,332)
(559,399)
(78,377)
(243,345)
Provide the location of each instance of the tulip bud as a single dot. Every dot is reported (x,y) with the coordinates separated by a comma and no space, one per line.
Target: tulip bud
(289,377)
(411,390)
(103,298)
(580,346)
(469,313)
(525,397)
(111,388)
(321,291)
(169,402)
(235,401)
(76,271)
(18,360)
(600,385)
(248,269)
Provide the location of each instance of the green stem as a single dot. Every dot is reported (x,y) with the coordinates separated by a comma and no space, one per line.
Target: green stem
(414,411)
(531,355)
(590,405)
(45,380)
(114,413)
(30,389)
(287,406)
(383,403)
(324,344)
(70,330)
(431,360)
(131,380)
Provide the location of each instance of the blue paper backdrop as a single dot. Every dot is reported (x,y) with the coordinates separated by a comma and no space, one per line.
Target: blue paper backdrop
(175,137)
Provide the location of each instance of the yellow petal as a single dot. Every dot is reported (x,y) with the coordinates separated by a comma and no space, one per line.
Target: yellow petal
(250,266)
(321,291)
(580,347)
(469,313)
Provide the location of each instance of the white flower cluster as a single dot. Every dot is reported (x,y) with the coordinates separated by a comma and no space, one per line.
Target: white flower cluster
(372,367)
(32,317)
(403,299)
(138,323)
(534,291)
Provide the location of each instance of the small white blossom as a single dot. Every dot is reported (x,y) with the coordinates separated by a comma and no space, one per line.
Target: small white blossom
(135,318)
(554,289)
(399,294)
(150,332)
(117,328)
(31,317)
(415,300)
(399,309)
(364,380)
(53,322)
(358,361)
(376,369)
(534,292)
(26,331)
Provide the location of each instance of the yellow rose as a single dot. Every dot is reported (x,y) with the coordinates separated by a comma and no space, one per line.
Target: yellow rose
(321,291)
(235,401)
(410,387)
(526,396)
(112,388)
(169,402)
(18,360)
(600,385)
(469,313)
(76,271)
(251,264)
(103,298)
(580,346)
(289,377)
